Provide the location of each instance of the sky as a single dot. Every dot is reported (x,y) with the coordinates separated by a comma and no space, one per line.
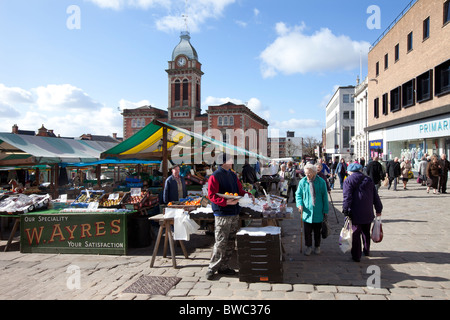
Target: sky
(74,65)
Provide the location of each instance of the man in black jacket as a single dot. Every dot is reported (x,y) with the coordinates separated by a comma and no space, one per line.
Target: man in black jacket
(445,168)
(393,172)
(375,172)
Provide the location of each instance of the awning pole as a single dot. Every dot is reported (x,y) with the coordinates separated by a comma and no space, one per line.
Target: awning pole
(164,154)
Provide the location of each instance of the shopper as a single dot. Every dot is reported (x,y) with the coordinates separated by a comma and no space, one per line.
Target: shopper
(312,202)
(445,168)
(393,172)
(423,170)
(375,171)
(433,174)
(405,167)
(248,174)
(226,215)
(341,171)
(360,197)
(175,186)
(292,182)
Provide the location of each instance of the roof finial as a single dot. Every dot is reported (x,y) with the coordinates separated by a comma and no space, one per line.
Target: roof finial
(185,17)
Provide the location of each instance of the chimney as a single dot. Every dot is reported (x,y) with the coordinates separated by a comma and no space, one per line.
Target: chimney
(15,129)
(115,136)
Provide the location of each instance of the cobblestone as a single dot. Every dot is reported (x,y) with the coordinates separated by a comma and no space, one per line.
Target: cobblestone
(412,260)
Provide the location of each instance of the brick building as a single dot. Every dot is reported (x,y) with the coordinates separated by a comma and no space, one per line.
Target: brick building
(237,124)
(409,83)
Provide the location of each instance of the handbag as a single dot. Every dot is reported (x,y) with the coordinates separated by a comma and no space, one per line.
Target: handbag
(325,228)
(377,230)
(419,179)
(346,236)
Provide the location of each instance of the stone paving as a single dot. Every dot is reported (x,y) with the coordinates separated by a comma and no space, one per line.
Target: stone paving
(412,262)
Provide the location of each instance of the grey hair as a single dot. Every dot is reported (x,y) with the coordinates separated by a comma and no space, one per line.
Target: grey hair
(310,166)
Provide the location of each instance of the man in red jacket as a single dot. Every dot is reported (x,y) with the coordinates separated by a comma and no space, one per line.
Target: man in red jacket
(226,215)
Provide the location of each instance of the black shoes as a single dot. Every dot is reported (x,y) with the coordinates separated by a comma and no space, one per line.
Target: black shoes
(227,272)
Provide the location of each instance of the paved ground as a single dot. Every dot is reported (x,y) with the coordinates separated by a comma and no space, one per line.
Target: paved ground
(412,262)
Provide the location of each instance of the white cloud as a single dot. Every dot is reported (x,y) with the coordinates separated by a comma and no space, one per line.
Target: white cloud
(121,4)
(64,97)
(125,104)
(253,104)
(198,11)
(294,52)
(12,95)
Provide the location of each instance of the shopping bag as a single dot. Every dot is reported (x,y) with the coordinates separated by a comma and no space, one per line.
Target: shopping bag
(346,236)
(410,175)
(377,230)
(284,188)
(419,179)
(325,228)
(386,182)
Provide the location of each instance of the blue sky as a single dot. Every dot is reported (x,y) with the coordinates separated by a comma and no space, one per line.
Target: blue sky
(74,70)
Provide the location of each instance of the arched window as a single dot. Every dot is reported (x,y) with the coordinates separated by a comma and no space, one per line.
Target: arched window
(225,121)
(177,90)
(231,121)
(220,121)
(185,90)
(133,123)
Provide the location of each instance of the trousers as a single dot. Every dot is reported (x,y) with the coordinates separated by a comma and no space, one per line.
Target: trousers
(309,229)
(226,228)
(360,232)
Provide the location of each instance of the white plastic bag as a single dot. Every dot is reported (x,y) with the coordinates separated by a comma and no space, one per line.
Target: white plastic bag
(377,230)
(346,236)
(183,226)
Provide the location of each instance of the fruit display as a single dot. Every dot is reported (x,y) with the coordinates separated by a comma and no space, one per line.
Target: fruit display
(86,197)
(111,200)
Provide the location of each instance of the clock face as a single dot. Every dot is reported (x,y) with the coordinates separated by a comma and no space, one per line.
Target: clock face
(181,62)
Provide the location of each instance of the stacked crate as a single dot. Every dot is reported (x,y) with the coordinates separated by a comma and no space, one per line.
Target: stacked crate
(260,254)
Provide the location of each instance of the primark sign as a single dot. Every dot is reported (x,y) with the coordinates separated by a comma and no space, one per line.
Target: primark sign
(436,127)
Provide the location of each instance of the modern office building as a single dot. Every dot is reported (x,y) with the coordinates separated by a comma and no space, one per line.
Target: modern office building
(409,83)
(340,128)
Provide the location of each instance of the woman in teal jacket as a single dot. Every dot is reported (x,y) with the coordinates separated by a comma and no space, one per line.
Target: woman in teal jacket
(312,202)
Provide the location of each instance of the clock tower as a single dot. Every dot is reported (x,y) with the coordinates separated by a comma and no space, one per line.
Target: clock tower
(185,76)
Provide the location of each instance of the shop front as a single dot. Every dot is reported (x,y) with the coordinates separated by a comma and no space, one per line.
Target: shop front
(415,139)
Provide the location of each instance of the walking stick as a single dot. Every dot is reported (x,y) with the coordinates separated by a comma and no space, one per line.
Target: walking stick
(334,209)
(301,230)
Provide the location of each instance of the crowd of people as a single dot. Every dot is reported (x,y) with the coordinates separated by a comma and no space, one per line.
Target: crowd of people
(309,183)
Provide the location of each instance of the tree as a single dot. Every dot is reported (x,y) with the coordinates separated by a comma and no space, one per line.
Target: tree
(309,146)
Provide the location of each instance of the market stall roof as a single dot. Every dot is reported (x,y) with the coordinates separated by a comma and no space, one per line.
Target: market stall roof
(147,143)
(109,161)
(16,149)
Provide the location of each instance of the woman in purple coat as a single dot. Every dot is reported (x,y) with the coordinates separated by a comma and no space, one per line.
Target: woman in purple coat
(360,196)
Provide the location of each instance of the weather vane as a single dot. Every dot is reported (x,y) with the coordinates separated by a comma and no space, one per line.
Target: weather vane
(185,17)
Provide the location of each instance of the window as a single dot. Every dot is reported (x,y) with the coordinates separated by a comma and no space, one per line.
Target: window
(408,94)
(397,52)
(185,90)
(352,116)
(346,137)
(348,98)
(376,110)
(395,99)
(424,86)
(442,78)
(231,121)
(377,69)
(410,42)
(346,115)
(385,106)
(219,122)
(426,28)
(177,90)
(446,11)
(386,61)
